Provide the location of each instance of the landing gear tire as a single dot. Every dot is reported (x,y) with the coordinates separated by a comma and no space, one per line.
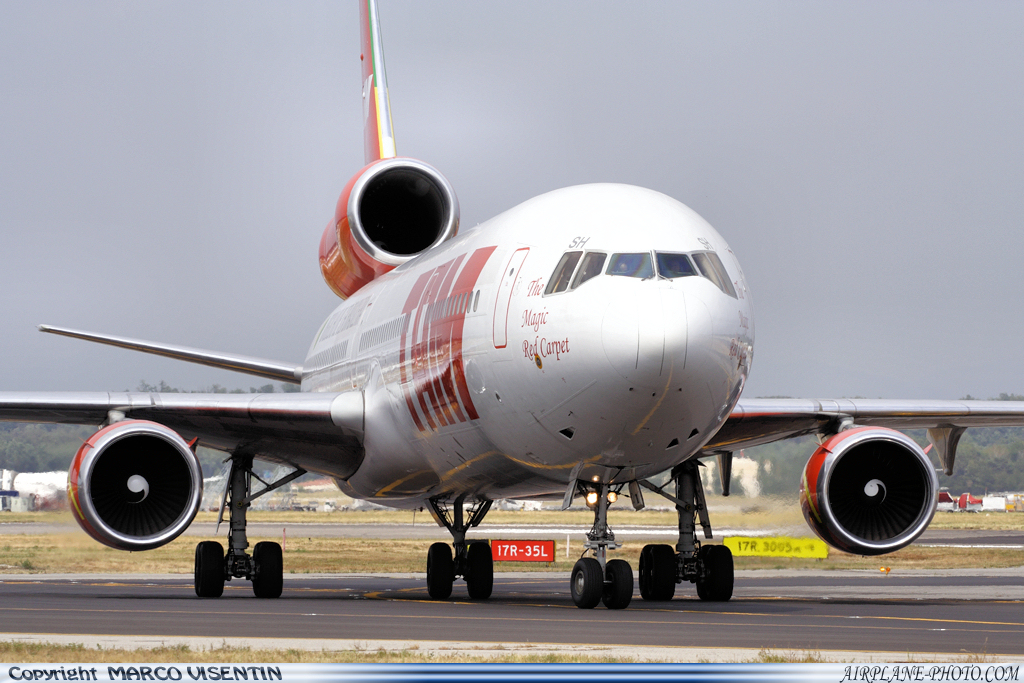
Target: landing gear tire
(268,580)
(717,578)
(618,585)
(209,569)
(644,574)
(440,571)
(480,571)
(587,583)
(657,572)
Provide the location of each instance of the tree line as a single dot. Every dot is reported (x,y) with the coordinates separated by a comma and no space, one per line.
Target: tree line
(31,447)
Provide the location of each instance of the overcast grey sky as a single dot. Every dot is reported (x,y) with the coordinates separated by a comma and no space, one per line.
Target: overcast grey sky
(168,168)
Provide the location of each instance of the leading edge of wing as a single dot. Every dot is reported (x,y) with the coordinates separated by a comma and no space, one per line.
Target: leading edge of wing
(759,421)
(317,431)
(260,367)
(294,412)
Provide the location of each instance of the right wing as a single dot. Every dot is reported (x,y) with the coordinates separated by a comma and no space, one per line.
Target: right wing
(322,432)
(758,421)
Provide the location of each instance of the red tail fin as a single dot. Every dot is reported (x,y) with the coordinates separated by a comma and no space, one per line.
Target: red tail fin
(378,133)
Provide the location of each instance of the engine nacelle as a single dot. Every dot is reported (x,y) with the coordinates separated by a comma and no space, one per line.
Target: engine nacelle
(869,491)
(391,211)
(135,485)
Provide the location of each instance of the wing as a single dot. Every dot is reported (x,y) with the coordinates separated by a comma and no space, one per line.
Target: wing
(322,432)
(759,421)
(261,367)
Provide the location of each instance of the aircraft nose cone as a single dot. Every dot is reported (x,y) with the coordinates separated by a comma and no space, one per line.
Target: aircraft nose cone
(633,334)
(674,321)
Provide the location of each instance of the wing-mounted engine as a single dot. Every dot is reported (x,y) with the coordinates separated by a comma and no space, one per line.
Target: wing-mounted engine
(135,485)
(391,211)
(869,491)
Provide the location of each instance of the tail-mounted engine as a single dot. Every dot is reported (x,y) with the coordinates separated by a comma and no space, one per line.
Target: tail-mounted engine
(135,485)
(869,491)
(391,211)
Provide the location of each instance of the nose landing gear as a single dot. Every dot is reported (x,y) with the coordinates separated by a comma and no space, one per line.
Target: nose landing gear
(473,561)
(598,579)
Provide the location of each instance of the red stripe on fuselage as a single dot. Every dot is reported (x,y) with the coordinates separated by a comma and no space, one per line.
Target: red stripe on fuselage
(440,339)
(412,303)
(423,348)
(466,283)
(435,380)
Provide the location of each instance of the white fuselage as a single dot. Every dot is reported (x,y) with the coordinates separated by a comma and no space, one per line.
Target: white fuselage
(480,378)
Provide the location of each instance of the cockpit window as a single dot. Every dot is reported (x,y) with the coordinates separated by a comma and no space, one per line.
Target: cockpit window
(563,272)
(674,265)
(631,265)
(712,268)
(593,264)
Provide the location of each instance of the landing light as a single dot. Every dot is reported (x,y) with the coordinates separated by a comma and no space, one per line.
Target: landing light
(612,496)
(591,498)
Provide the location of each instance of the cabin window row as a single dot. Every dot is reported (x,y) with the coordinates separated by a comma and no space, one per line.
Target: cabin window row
(332,355)
(381,333)
(456,304)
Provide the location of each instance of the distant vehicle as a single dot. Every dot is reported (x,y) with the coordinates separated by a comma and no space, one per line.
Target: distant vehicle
(946,502)
(993,504)
(968,503)
(36,490)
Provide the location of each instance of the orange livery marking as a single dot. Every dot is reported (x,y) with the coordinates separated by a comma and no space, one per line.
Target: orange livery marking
(432,371)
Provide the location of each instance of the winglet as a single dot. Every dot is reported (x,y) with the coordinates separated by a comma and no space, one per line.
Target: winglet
(378,133)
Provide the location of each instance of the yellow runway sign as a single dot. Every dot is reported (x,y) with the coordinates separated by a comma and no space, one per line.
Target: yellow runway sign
(777,546)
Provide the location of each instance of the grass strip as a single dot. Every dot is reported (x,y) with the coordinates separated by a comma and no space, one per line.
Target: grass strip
(76,552)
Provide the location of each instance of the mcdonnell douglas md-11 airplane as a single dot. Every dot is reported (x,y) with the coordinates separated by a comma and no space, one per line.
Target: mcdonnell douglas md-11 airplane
(576,345)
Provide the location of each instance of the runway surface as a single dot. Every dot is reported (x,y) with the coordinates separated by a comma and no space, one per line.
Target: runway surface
(949,611)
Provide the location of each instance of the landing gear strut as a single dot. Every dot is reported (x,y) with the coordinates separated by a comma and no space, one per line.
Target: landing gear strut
(265,568)
(710,567)
(472,561)
(598,579)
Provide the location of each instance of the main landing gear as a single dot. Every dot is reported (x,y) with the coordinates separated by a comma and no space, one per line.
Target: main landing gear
(265,568)
(472,561)
(709,567)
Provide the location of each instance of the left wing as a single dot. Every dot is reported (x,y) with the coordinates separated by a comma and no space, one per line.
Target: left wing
(316,431)
(759,421)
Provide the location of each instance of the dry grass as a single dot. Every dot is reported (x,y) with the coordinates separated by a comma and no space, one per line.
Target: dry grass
(749,516)
(61,553)
(994,521)
(14,652)
(44,653)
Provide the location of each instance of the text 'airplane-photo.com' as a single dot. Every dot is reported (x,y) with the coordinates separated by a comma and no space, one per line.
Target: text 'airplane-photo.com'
(579,344)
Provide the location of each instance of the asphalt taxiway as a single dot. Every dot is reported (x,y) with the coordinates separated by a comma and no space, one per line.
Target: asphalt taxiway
(959,612)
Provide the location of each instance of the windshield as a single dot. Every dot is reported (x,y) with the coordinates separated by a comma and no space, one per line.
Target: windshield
(563,272)
(631,265)
(593,263)
(674,265)
(712,268)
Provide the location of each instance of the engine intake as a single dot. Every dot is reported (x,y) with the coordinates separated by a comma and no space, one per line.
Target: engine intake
(390,212)
(135,485)
(869,491)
